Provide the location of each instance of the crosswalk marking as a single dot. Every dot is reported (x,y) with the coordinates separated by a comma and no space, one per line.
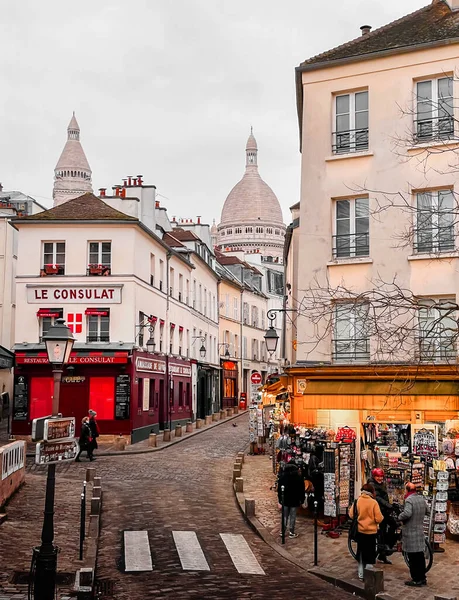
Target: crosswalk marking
(242,556)
(189,551)
(137,555)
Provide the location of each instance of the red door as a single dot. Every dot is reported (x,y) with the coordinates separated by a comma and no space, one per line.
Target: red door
(73,402)
(41,397)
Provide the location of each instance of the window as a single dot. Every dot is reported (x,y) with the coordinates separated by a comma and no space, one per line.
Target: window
(258,229)
(277,232)
(161,335)
(248,229)
(275,282)
(171,281)
(434,110)
(152,269)
(161,274)
(435,221)
(246,313)
(54,258)
(98,325)
(352,225)
(269,230)
(437,330)
(351,123)
(229,231)
(351,340)
(180,287)
(235,309)
(238,230)
(222,232)
(254,316)
(99,258)
(47,317)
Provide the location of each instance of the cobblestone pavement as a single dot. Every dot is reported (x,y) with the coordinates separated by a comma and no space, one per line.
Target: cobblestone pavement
(187,487)
(334,557)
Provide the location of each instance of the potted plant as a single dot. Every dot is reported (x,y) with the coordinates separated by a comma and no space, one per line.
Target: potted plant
(51,269)
(95,269)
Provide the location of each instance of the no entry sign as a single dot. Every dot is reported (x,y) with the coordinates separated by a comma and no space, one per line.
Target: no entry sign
(255,378)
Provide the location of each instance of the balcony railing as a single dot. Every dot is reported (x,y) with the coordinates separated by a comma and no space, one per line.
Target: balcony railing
(436,348)
(97,338)
(433,129)
(434,239)
(354,140)
(351,350)
(351,245)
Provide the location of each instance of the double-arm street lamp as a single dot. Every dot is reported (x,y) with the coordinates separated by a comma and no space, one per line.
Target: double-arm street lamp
(59,343)
(271,337)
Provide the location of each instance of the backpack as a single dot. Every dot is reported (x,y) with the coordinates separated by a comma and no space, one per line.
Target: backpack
(354,528)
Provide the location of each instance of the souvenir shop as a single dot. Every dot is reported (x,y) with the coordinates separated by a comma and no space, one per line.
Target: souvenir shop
(409,429)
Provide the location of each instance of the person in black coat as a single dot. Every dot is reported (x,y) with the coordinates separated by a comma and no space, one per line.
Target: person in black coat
(85,439)
(387,529)
(290,493)
(94,427)
(316,475)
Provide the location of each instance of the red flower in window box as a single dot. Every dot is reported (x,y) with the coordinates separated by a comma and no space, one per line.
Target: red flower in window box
(51,269)
(95,269)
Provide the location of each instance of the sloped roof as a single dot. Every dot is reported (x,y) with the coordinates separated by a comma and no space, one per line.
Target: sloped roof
(170,239)
(433,23)
(184,235)
(87,207)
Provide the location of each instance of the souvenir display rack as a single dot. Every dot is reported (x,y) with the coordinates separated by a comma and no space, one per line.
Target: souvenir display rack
(339,478)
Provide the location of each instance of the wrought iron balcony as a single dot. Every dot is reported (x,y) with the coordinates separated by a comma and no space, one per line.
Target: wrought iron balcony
(434,239)
(436,348)
(351,245)
(97,338)
(434,129)
(353,140)
(351,350)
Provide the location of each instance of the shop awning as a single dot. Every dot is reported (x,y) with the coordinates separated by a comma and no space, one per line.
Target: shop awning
(48,312)
(96,312)
(6,358)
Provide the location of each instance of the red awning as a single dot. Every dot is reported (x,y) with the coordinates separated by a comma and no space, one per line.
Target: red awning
(48,312)
(96,312)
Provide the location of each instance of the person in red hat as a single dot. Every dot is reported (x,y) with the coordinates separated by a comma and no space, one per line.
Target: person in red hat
(387,529)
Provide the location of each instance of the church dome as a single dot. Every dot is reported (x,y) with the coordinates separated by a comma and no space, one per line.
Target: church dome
(251,200)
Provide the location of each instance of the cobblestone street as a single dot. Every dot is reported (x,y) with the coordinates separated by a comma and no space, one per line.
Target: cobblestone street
(187,487)
(334,557)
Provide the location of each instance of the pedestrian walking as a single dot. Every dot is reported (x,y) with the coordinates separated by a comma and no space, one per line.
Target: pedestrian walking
(291,497)
(94,427)
(316,475)
(413,538)
(387,529)
(85,439)
(369,516)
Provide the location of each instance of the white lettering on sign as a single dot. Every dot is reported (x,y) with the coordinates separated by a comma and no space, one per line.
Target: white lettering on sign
(36,294)
(150,365)
(180,370)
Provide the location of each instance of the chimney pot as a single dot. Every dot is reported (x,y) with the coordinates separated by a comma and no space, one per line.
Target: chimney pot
(123,192)
(199,220)
(129,179)
(365,29)
(113,190)
(156,203)
(102,191)
(139,179)
(124,182)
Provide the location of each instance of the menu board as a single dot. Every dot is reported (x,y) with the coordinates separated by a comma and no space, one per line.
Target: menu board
(122,396)
(21,396)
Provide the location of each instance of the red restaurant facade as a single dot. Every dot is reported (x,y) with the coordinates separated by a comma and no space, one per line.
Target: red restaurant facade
(134,393)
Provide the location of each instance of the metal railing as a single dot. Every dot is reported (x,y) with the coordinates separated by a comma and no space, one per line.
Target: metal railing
(433,129)
(434,239)
(351,245)
(97,338)
(349,350)
(436,348)
(353,140)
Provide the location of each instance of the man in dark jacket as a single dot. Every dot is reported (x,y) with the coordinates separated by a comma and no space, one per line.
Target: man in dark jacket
(94,427)
(388,527)
(290,492)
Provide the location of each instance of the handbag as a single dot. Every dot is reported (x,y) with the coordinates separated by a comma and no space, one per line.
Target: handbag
(354,528)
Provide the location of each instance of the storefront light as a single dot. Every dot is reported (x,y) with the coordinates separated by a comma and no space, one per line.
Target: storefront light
(59,343)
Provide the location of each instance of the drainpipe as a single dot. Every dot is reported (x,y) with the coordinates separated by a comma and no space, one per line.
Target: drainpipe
(169,385)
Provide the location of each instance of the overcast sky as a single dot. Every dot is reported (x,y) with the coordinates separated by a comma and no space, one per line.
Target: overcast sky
(165,88)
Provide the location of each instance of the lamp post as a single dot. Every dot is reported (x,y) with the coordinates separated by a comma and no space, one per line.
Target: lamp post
(59,343)
(271,337)
(202,349)
(227,353)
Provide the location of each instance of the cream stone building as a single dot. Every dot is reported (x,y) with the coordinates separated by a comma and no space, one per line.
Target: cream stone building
(379,137)
(72,175)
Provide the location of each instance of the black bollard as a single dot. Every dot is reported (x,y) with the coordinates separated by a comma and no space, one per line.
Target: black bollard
(283,514)
(316,504)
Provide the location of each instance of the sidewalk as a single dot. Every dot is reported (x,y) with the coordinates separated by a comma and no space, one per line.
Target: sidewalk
(110,448)
(334,558)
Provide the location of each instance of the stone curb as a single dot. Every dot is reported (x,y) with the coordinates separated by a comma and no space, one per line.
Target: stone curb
(185,437)
(355,588)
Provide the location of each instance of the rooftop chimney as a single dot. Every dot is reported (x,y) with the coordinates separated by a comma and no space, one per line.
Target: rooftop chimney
(102,192)
(139,179)
(157,204)
(199,220)
(365,29)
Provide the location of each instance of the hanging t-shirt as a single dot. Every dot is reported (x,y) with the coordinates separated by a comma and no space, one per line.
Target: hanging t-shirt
(424,444)
(345,435)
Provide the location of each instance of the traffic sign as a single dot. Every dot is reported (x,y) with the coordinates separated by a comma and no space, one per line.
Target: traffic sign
(38,426)
(255,378)
(62,429)
(54,452)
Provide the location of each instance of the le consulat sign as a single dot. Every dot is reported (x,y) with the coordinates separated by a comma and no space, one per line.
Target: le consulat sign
(74,294)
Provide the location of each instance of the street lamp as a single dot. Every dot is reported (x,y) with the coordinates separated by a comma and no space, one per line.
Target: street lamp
(202,349)
(149,322)
(227,354)
(151,343)
(271,337)
(59,343)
